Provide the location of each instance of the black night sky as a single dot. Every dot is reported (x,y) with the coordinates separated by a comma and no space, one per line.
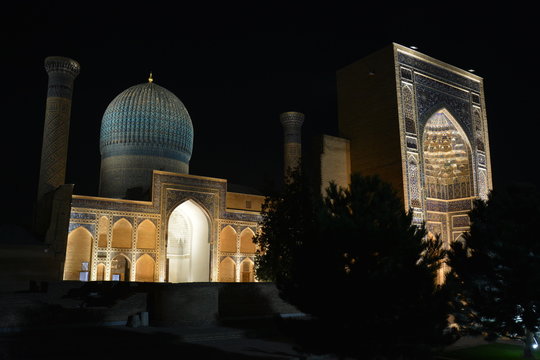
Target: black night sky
(236,69)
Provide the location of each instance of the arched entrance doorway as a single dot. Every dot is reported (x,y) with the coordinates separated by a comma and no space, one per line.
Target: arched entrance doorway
(188,245)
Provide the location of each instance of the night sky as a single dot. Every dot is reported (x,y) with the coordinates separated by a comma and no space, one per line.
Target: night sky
(236,70)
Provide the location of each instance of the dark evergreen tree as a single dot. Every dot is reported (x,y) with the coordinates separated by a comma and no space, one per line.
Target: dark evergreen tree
(287,227)
(497,266)
(353,262)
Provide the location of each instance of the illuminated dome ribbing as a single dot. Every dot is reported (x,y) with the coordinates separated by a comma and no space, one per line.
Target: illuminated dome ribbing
(147,119)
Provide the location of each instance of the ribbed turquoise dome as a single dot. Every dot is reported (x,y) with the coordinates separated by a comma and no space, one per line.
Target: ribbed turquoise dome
(149,120)
(145,128)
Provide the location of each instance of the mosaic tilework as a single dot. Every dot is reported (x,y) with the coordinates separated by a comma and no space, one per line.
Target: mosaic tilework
(437,71)
(414,183)
(460,221)
(482,185)
(448,206)
(55,144)
(148,118)
(428,86)
(77,215)
(429,102)
(408,110)
(74,225)
(62,73)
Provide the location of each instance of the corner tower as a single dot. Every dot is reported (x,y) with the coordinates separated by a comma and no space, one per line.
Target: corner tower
(292,139)
(145,128)
(62,72)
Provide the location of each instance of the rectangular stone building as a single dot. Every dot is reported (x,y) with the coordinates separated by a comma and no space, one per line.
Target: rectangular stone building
(420,124)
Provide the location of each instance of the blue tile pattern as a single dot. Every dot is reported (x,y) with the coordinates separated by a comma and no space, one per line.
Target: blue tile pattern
(147,119)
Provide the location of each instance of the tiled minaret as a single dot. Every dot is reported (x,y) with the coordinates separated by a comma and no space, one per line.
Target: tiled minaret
(292,148)
(62,72)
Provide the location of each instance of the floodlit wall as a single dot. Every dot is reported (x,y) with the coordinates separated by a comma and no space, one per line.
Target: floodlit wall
(246,241)
(241,201)
(186,233)
(78,252)
(227,239)
(227,270)
(103,229)
(335,162)
(122,234)
(146,235)
(145,268)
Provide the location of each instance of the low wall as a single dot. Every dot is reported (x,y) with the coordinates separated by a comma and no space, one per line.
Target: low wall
(20,264)
(72,303)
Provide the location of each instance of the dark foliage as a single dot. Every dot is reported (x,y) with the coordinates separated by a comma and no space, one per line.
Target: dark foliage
(497,265)
(353,262)
(289,221)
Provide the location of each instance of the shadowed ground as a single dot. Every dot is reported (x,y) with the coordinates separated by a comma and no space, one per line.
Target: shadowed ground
(195,342)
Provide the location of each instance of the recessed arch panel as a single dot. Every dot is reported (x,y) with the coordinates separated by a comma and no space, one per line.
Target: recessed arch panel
(122,234)
(247,271)
(246,241)
(146,235)
(145,268)
(78,253)
(100,274)
(103,229)
(227,270)
(448,172)
(120,268)
(227,239)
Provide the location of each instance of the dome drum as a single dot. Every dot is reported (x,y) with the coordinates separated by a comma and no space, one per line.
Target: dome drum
(123,175)
(137,150)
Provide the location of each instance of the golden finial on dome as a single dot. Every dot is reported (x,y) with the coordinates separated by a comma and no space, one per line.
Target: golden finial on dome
(150,78)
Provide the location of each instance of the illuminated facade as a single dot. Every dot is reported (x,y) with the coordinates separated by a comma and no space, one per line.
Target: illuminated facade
(193,230)
(181,228)
(419,124)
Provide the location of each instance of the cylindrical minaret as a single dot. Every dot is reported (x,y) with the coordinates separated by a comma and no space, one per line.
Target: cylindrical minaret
(292,148)
(62,72)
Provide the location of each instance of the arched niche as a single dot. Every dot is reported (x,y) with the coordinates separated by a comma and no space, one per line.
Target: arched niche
(246,241)
(145,268)
(122,234)
(78,253)
(227,239)
(120,268)
(188,245)
(227,270)
(100,274)
(247,271)
(447,164)
(103,229)
(146,235)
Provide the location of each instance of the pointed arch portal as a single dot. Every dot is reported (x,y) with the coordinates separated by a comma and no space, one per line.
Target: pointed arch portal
(447,158)
(448,175)
(188,246)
